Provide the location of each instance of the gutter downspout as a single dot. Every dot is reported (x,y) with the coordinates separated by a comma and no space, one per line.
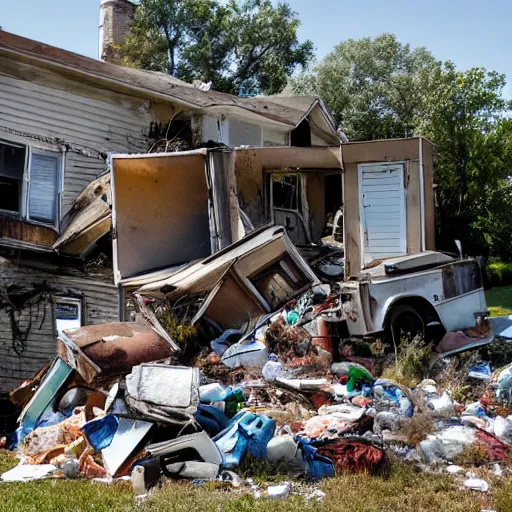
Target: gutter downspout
(345,266)
(422,194)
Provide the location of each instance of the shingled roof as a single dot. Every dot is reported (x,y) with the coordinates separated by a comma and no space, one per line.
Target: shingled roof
(160,86)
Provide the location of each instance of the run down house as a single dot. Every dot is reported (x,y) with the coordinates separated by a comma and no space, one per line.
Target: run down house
(60,115)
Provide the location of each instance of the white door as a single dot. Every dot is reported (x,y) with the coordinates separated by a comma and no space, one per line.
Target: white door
(382,211)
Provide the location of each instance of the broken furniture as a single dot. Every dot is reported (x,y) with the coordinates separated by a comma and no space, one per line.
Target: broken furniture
(107,350)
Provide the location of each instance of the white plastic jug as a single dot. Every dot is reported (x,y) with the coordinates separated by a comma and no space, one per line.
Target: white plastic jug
(212,393)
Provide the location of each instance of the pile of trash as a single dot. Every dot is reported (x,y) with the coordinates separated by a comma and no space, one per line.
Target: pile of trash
(120,402)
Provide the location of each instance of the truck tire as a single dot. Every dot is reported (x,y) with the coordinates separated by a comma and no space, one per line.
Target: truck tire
(404,320)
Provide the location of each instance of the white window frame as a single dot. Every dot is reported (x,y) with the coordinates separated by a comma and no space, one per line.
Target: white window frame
(60,180)
(23,213)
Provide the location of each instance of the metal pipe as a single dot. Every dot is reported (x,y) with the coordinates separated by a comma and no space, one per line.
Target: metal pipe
(345,266)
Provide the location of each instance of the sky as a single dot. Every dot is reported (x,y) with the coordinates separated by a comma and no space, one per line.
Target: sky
(469,32)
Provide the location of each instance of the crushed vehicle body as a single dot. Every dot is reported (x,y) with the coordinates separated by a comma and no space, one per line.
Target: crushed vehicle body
(427,289)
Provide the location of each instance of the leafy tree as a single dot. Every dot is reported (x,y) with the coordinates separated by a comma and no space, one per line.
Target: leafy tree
(380,88)
(372,86)
(463,114)
(235,44)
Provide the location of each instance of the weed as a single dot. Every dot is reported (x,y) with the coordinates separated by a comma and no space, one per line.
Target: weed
(411,363)
(452,374)
(417,428)
(474,455)
(499,352)
(179,332)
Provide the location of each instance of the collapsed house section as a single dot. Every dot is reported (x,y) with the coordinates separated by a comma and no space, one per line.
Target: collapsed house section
(362,218)
(251,278)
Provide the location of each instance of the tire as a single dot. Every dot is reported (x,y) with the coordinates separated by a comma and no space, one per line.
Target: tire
(404,320)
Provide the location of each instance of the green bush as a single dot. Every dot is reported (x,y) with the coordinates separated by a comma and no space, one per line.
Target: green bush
(499,274)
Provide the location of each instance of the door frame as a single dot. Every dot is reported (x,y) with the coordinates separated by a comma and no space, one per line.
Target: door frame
(403,205)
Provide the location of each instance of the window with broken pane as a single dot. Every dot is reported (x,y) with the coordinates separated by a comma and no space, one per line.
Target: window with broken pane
(12,166)
(285,191)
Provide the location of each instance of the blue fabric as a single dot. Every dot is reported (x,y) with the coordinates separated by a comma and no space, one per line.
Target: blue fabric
(211,419)
(258,431)
(317,466)
(101,431)
(51,418)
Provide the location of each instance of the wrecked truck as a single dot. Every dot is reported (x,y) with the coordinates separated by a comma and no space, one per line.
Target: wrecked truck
(361,215)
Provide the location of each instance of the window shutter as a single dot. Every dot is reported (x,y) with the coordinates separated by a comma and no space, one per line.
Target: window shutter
(43,189)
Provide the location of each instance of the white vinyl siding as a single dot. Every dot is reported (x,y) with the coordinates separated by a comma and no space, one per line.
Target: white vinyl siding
(383,211)
(43,192)
(275,137)
(103,123)
(244,134)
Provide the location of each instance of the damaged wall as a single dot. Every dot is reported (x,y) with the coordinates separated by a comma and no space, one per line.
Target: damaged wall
(251,165)
(24,352)
(44,110)
(161,207)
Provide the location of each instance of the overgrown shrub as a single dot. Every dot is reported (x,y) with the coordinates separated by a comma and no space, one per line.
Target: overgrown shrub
(411,363)
(499,274)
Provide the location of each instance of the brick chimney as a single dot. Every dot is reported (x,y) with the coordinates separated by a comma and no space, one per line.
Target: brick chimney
(114,24)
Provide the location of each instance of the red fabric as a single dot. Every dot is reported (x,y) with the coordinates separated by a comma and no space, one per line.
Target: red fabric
(354,455)
(497,449)
(320,398)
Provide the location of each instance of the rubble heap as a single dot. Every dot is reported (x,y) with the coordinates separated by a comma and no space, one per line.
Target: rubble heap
(183,393)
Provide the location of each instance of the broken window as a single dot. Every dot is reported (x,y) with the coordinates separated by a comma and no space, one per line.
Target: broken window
(39,201)
(12,166)
(68,314)
(279,282)
(287,205)
(285,192)
(301,136)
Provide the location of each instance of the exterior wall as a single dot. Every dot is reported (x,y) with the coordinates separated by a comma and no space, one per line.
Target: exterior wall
(398,150)
(82,126)
(275,137)
(251,165)
(244,134)
(37,344)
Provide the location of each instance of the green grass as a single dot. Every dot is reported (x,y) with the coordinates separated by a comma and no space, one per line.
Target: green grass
(403,491)
(499,300)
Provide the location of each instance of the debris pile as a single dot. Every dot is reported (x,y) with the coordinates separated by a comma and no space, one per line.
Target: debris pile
(214,371)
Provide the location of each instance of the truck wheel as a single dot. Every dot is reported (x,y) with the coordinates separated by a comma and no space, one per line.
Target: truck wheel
(404,321)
